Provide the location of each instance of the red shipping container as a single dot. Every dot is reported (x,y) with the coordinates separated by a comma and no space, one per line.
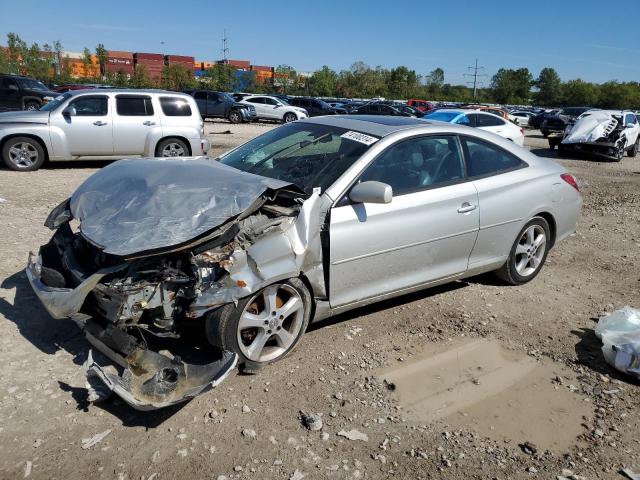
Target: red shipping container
(118,54)
(261,68)
(157,57)
(118,64)
(179,59)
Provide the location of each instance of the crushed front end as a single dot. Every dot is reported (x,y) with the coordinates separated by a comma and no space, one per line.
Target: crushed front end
(599,133)
(140,293)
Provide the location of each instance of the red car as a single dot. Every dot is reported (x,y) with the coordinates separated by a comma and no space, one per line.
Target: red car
(421,105)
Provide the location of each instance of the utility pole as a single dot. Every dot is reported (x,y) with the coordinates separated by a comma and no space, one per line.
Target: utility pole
(225,46)
(475,76)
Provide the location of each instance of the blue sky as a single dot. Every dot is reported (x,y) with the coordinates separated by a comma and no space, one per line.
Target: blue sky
(579,38)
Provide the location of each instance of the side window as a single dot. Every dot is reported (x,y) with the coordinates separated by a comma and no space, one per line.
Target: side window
(175,107)
(486,159)
(418,164)
(200,96)
(487,121)
(134,106)
(270,101)
(90,106)
(213,97)
(465,120)
(255,100)
(6,82)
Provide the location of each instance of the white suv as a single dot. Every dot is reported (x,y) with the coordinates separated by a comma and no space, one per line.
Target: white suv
(102,124)
(274,108)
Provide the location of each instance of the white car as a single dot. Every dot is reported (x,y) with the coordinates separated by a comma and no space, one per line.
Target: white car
(521,117)
(482,120)
(274,108)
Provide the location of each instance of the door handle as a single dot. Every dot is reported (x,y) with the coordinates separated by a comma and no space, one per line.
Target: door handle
(99,123)
(148,123)
(466,207)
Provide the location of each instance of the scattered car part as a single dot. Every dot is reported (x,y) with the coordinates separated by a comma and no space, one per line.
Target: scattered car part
(620,335)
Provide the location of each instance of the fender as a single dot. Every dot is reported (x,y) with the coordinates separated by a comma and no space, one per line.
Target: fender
(28,129)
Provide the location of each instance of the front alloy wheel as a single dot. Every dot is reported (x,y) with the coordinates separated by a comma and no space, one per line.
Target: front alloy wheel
(290,117)
(23,154)
(264,327)
(528,253)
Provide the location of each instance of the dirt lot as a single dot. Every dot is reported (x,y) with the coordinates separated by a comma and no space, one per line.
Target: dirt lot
(478,369)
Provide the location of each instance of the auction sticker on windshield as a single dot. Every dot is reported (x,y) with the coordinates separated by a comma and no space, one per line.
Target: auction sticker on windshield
(359,137)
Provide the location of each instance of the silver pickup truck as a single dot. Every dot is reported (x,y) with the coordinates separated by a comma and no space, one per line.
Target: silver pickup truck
(103,125)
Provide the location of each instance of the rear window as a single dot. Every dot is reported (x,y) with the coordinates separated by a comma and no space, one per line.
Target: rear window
(175,107)
(133,105)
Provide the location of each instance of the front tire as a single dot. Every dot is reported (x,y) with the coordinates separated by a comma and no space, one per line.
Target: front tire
(23,154)
(264,327)
(528,253)
(30,106)
(633,151)
(235,117)
(172,147)
(289,117)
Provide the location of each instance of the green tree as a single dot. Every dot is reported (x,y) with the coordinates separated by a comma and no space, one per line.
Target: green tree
(579,93)
(220,77)
(102,54)
(323,82)
(512,86)
(615,95)
(140,77)
(177,77)
(549,87)
(434,83)
(87,61)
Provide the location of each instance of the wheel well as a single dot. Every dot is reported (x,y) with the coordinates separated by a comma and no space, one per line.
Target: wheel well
(307,284)
(176,137)
(27,135)
(552,225)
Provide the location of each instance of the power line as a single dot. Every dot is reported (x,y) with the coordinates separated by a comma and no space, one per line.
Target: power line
(225,46)
(475,76)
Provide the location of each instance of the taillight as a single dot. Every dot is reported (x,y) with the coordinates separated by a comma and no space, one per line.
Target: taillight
(570,180)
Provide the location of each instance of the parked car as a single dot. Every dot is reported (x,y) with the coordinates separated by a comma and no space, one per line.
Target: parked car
(523,117)
(23,93)
(538,118)
(558,122)
(222,105)
(604,133)
(482,120)
(273,108)
(421,105)
(314,106)
(376,108)
(103,125)
(259,244)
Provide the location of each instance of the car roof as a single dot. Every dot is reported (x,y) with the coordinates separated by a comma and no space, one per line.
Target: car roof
(377,125)
(128,90)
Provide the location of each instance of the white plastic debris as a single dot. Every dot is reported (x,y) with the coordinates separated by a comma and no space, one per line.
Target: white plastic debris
(353,435)
(97,438)
(620,335)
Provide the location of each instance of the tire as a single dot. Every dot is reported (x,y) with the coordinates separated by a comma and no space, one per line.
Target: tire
(23,154)
(545,133)
(516,270)
(224,329)
(172,147)
(619,154)
(31,106)
(289,117)
(633,151)
(235,116)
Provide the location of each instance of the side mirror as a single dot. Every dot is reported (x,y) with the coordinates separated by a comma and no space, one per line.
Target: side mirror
(69,112)
(371,192)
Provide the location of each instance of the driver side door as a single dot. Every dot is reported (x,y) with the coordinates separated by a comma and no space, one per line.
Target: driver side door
(424,235)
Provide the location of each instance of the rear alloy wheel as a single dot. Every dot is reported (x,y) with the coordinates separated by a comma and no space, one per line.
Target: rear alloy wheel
(23,154)
(528,253)
(633,151)
(172,147)
(289,117)
(235,117)
(265,327)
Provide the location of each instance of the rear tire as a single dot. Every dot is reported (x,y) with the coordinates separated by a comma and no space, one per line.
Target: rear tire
(224,330)
(172,147)
(23,154)
(528,253)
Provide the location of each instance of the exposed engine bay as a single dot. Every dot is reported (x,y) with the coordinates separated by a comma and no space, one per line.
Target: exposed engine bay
(126,301)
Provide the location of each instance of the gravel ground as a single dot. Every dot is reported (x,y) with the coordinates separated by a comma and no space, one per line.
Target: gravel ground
(578,416)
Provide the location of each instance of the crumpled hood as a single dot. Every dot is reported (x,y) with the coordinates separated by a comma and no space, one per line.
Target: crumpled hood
(139,205)
(25,116)
(590,128)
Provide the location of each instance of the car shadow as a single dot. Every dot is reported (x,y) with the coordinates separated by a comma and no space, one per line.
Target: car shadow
(589,354)
(545,152)
(388,304)
(64,165)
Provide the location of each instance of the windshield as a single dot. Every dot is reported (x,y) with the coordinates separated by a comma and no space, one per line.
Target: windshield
(442,116)
(308,155)
(227,97)
(55,103)
(283,101)
(29,83)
